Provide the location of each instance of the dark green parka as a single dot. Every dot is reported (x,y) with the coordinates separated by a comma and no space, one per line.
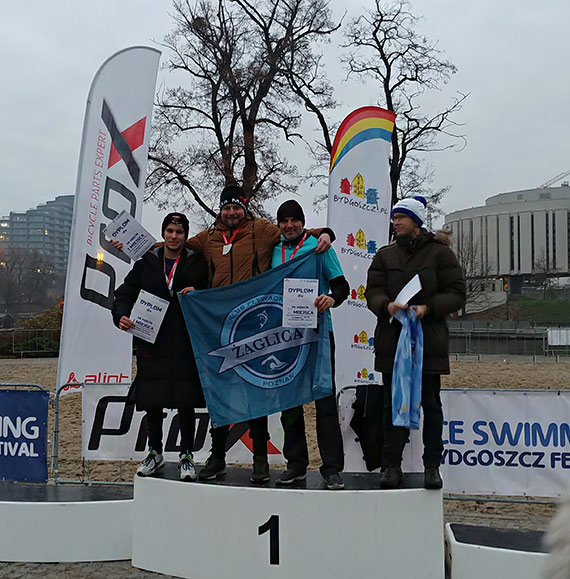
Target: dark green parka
(443,291)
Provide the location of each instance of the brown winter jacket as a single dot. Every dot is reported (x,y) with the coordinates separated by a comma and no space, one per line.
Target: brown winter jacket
(251,249)
(443,291)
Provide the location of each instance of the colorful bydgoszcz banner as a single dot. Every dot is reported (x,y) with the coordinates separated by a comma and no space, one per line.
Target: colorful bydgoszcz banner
(111,177)
(496,442)
(359,204)
(249,364)
(23,435)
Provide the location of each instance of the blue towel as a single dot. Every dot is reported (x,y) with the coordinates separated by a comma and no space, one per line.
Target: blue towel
(407,372)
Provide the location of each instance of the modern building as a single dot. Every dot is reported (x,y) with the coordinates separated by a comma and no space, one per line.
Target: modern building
(517,235)
(46,229)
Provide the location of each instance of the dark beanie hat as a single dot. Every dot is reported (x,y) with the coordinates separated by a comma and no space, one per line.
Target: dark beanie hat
(290,209)
(233,194)
(177,219)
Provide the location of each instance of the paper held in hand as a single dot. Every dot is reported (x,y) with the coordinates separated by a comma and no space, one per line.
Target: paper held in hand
(409,290)
(135,238)
(148,314)
(299,295)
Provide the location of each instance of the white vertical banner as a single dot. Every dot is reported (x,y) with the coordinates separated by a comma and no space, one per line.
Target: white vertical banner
(359,204)
(111,177)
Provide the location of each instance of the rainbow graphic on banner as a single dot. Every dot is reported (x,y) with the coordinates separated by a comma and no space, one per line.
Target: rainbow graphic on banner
(361,125)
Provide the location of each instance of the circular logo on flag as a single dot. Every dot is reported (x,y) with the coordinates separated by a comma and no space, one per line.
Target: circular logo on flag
(259,348)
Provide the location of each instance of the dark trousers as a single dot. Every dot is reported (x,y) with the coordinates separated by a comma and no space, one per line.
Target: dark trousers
(187,418)
(329,437)
(257,430)
(395,437)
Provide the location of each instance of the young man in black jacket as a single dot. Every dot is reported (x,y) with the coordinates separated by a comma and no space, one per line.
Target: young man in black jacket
(167,376)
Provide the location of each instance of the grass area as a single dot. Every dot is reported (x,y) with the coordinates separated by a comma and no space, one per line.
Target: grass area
(541,311)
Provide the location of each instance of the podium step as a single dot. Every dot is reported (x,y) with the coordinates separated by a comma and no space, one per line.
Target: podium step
(232,527)
(239,477)
(65,523)
(474,552)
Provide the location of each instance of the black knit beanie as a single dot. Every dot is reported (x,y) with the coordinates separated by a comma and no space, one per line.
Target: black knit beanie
(177,219)
(233,194)
(290,209)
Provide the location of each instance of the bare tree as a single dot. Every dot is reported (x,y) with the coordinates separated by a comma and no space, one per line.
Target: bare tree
(477,272)
(546,274)
(250,71)
(385,47)
(245,66)
(25,276)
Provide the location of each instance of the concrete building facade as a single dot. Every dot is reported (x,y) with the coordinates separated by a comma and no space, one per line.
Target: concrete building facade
(516,234)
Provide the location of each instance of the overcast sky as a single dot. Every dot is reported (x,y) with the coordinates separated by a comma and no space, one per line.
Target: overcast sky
(512,57)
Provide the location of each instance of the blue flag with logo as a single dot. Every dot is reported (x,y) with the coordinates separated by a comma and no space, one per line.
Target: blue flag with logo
(249,364)
(23,435)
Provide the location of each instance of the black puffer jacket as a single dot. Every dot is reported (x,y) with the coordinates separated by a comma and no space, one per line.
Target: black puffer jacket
(443,291)
(167,376)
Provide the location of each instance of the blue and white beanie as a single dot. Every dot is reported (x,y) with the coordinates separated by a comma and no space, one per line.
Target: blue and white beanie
(415,207)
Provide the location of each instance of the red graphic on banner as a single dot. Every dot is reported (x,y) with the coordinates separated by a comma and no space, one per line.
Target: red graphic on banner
(134,136)
(72,382)
(247,440)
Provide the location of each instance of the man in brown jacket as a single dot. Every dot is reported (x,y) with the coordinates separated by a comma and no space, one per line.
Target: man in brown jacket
(237,247)
(414,251)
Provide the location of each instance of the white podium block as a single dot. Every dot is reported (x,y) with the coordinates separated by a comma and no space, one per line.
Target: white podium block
(48,524)
(210,531)
(475,552)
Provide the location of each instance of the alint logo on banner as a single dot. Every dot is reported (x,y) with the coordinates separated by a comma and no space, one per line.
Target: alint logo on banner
(258,348)
(98,378)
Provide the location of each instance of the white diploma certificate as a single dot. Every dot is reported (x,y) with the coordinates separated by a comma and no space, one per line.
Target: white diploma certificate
(147,314)
(299,295)
(135,238)
(409,290)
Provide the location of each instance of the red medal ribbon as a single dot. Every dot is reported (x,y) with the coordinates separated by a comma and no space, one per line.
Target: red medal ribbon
(230,241)
(170,278)
(294,252)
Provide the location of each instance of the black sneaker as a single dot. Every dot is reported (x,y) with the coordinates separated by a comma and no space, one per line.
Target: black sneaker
(391,477)
(213,468)
(432,478)
(334,482)
(290,476)
(260,470)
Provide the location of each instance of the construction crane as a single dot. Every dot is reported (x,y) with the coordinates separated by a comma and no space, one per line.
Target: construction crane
(554,179)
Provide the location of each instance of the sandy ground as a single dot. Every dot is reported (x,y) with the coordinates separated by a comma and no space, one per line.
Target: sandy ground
(464,375)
